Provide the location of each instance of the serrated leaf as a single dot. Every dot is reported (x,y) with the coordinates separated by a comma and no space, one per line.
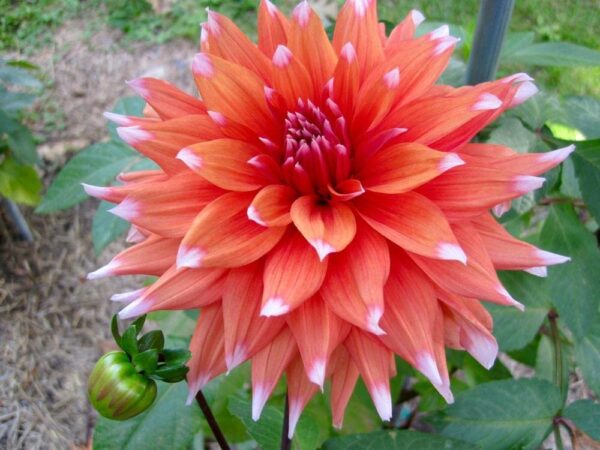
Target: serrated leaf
(106,227)
(504,414)
(515,329)
(97,164)
(583,113)
(169,424)
(20,140)
(11,74)
(556,54)
(19,183)
(146,361)
(585,414)
(13,102)
(573,286)
(586,161)
(538,110)
(396,440)
(153,339)
(514,42)
(511,133)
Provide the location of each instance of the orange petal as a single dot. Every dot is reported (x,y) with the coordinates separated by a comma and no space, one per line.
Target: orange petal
(267,368)
(373,362)
(246,332)
(135,261)
(410,311)
(357,23)
(405,30)
(308,41)
(290,78)
(167,208)
(223,236)
(328,228)
(225,163)
(353,288)
(476,279)
(273,28)
(286,289)
(271,206)
(403,167)
(300,391)
(234,91)
(178,289)
(509,253)
(412,222)
(347,190)
(224,39)
(346,79)
(208,356)
(167,100)
(344,375)
(468,191)
(318,332)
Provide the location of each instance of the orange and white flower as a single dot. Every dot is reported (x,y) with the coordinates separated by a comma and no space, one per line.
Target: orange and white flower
(322,205)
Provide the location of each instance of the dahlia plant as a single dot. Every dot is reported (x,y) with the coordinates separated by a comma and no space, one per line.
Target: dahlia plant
(325,206)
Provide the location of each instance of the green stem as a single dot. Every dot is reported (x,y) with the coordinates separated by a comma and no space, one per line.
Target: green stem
(557,438)
(558,363)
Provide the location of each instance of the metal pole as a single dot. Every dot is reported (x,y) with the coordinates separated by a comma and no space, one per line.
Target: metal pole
(494,16)
(20,223)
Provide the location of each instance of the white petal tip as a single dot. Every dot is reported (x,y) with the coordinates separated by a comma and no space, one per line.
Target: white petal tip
(541,271)
(259,398)
(96,191)
(487,101)
(549,258)
(125,297)
(348,52)
(382,399)
(449,161)
(104,271)
(202,65)
(117,118)
(134,309)
(323,248)
(189,257)
(426,364)
(451,252)
(282,56)
(556,156)
(444,44)
(317,373)
(392,78)
(274,306)
(254,216)
(440,32)
(235,358)
(301,13)
(484,349)
(128,209)
(133,135)
(190,158)
(509,299)
(417,17)
(217,118)
(373,318)
(526,183)
(525,90)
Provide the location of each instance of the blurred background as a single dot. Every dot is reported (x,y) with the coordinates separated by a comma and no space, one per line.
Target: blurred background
(62,64)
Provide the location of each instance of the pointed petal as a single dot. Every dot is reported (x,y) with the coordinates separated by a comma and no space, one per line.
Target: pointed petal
(344,375)
(223,236)
(246,332)
(346,79)
(300,391)
(412,222)
(268,366)
(290,78)
(328,228)
(373,362)
(208,358)
(405,30)
(286,289)
(353,288)
(273,28)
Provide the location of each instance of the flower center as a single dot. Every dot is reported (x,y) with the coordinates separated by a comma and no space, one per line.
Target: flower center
(317,150)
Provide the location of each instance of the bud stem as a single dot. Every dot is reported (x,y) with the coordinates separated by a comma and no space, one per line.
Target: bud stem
(285,440)
(212,422)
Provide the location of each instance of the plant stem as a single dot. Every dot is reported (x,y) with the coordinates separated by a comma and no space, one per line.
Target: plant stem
(558,363)
(286,442)
(212,422)
(557,438)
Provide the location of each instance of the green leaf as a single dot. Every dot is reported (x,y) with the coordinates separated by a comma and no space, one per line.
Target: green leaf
(586,160)
(13,102)
(138,324)
(573,286)
(153,339)
(20,139)
(585,414)
(455,73)
(583,113)
(504,414)
(545,366)
(511,133)
(557,54)
(128,106)
(587,355)
(176,357)
(169,424)
(538,110)
(396,440)
(129,341)
(267,430)
(97,164)
(106,227)
(114,328)
(171,374)
(515,329)
(19,182)
(13,75)
(514,42)
(146,361)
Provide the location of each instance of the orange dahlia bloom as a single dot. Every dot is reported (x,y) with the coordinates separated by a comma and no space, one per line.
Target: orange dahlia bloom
(322,205)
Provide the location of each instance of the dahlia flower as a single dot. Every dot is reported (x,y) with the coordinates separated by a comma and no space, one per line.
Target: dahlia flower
(322,205)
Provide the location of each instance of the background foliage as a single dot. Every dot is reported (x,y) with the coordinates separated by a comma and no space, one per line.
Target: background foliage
(559,332)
